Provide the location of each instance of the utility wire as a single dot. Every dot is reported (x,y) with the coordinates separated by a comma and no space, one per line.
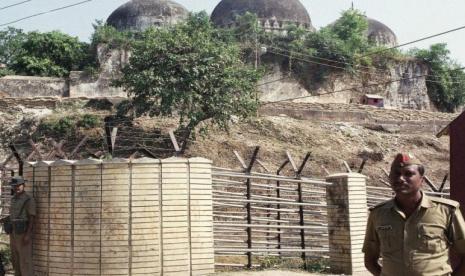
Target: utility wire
(45,12)
(415,41)
(345,69)
(293,53)
(13,5)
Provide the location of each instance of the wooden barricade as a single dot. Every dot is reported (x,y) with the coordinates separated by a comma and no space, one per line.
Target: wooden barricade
(122,217)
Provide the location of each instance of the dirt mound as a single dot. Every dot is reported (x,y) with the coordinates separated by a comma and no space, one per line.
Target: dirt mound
(331,141)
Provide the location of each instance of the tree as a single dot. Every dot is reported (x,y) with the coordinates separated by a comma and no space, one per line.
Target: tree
(10,45)
(45,54)
(345,41)
(446,79)
(189,70)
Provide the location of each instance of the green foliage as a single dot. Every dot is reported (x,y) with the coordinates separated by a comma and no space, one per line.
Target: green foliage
(5,72)
(318,265)
(88,121)
(340,46)
(192,70)
(446,80)
(42,54)
(65,127)
(270,262)
(50,54)
(109,35)
(11,40)
(344,42)
(5,256)
(248,33)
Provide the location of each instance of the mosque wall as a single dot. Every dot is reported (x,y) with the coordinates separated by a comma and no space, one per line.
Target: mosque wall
(403,85)
(26,86)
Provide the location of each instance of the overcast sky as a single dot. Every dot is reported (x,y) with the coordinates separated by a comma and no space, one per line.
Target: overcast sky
(409,19)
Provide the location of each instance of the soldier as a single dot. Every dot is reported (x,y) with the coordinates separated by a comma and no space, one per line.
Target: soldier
(413,232)
(22,213)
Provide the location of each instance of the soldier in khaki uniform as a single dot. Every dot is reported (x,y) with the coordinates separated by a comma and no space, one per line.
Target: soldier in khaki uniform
(412,232)
(22,213)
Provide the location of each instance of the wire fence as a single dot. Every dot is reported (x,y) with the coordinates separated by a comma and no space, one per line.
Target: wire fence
(258,215)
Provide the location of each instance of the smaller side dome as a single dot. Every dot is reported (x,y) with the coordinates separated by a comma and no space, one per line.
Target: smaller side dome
(138,15)
(380,33)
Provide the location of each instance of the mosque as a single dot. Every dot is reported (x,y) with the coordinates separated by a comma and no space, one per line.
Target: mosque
(273,16)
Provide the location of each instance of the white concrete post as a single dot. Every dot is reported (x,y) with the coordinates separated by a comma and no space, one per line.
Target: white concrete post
(347,217)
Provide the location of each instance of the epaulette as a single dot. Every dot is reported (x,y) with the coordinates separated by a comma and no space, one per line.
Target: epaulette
(445,201)
(379,205)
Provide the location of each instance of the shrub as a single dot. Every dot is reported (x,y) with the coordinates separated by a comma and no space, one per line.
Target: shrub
(89,121)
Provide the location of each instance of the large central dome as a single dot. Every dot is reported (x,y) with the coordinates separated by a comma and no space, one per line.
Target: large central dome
(138,15)
(274,14)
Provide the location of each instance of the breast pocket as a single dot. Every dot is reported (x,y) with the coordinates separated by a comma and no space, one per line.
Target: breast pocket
(388,240)
(431,238)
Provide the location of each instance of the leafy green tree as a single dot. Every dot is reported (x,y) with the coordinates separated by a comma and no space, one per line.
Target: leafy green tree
(47,54)
(190,70)
(10,45)
(339,46)
(11,40)
(446,79)
(345,41)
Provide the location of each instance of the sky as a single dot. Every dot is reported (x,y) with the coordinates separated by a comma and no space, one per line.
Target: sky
(409,19)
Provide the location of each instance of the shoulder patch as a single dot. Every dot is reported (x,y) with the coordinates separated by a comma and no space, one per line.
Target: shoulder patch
(379,205)
(445,201)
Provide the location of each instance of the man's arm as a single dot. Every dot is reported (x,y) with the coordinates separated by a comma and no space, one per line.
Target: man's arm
(371,263)
(456,235)
(371,247)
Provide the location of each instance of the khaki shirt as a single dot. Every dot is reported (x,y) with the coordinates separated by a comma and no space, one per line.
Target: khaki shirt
(17,201)
(417,245)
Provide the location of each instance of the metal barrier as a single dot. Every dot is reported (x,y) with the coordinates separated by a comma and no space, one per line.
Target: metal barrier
(257,214)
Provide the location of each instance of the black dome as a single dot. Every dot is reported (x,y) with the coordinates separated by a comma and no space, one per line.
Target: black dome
(138,15)
(380,33)
(282,11)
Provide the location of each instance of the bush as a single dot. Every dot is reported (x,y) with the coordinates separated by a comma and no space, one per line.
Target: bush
(5,256)
(446,79)
(89,121)
(66,127)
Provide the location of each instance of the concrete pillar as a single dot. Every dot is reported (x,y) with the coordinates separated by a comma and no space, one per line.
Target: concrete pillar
(347,217)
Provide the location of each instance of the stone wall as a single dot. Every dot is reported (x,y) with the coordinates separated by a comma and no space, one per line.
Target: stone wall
(26,87)
(403,85)
(111,61)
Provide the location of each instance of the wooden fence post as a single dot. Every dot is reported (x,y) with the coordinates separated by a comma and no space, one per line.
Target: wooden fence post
(278,206)
(18,159)
(248,206)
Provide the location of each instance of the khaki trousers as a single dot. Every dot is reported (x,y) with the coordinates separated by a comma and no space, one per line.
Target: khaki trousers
(21,255)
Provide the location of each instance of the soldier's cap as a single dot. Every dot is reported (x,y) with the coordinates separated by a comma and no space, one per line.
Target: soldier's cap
(403,160)
(17,180)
